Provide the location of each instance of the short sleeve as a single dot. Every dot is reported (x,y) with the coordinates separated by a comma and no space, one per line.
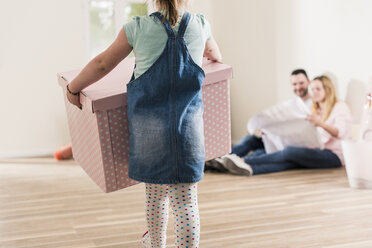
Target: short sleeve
(131,28)
(206,27)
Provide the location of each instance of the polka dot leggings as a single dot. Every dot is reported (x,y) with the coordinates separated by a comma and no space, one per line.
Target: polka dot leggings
(184,201)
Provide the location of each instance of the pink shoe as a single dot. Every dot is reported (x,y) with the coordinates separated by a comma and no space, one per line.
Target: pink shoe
(146,242)
(65,152)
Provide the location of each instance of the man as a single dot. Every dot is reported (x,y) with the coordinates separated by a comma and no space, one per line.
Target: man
(253,143)
(300,83)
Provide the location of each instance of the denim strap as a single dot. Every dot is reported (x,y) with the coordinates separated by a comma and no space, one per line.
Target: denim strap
(166,24)
(183,25)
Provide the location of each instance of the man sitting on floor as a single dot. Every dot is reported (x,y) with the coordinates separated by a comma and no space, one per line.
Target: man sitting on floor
(253,143)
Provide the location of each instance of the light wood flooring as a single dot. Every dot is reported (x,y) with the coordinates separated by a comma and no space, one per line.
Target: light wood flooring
(49,204)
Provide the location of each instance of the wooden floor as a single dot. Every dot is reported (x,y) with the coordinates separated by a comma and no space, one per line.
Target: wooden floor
(48,204)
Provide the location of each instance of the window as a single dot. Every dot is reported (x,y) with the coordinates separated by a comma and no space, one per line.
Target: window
(106,18)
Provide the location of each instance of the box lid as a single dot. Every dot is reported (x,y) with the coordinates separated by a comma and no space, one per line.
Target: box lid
(110,91)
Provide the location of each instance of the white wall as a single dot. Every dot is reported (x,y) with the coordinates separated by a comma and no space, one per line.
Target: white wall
(264,40)
(202,6)
(326,36)
(245,32)
(39,38)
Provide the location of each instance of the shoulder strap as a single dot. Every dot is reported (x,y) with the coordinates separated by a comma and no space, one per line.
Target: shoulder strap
(183,25)
(166,25)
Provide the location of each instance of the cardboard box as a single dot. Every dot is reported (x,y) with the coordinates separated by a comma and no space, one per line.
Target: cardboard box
(99,132)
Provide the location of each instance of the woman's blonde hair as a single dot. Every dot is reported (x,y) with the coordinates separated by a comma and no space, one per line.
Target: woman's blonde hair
(330,97)
(171,9)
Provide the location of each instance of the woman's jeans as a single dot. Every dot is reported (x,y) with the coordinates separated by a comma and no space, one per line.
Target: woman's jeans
(286,159)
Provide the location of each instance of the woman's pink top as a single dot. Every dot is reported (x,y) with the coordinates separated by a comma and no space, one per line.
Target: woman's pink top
(341,119)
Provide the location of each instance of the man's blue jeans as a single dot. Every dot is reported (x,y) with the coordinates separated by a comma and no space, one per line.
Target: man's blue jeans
(249,143)
(286,159)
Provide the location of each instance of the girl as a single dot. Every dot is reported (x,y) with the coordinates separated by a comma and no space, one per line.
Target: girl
(165,110)
(333,120)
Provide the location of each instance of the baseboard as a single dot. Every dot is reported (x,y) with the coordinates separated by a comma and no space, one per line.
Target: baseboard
(27,154)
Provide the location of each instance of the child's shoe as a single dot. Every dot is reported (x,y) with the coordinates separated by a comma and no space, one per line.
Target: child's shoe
(146,242)
(65,152)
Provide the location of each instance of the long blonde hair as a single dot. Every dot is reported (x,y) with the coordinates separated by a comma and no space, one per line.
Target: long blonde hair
(171,9)
(330,97)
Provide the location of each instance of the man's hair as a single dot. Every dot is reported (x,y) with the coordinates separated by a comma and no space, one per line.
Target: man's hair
(299,71)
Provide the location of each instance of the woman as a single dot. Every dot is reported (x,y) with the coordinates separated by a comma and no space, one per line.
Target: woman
(333,119)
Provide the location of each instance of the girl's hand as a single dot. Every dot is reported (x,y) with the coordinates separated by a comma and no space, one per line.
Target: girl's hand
(314,119)
(74,99)
(212,51)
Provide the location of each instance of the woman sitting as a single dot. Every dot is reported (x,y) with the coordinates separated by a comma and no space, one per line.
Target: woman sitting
(333,119)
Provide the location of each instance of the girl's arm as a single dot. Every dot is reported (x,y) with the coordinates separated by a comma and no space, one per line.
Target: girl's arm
(212,51)
(102,64)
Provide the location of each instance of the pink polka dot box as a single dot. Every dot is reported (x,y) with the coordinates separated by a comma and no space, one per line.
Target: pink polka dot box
(99,132)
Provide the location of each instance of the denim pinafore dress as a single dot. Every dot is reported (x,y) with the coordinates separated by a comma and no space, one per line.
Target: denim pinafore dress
(165,114)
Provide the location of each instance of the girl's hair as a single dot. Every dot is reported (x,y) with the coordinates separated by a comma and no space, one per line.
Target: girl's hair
(171,10)
(330,97)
